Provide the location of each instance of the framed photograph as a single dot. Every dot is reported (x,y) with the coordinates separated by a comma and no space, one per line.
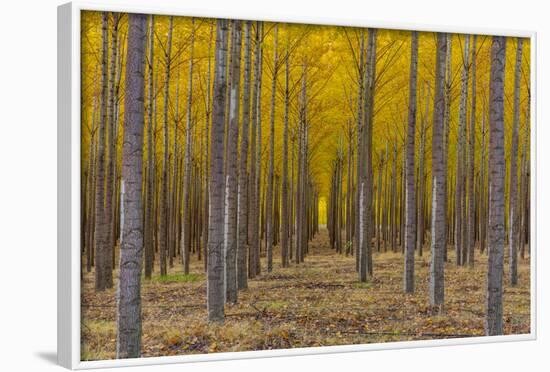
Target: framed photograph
(243,186)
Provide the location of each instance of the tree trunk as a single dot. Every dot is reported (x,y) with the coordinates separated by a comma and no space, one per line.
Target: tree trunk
(438,241)
(365,266)
(285,220)
(206,206)
(215,272)
(497,171)
(230,241)
(470,236)
(269,196)
(131,250)
(242,275)
(148,231)
(101,233)
(410,203)
(358,173)
(513,217)
(163,226)
(446,131)
(460,179)
(253,226)
(186,225)
(110,182)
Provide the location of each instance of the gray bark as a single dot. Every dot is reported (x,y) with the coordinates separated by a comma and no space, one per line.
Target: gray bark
(163,226)
(497,171)
(215,267)
(253,237)
(410,199)
(358,172)
(460,190)
(269,196)
(446,130)
(365,264)
(242,222)
(110,182)
(470,235)
(101,233)
(185,244)
(438,241)
(231,186)
(128,294)
(148,231)
(285,220)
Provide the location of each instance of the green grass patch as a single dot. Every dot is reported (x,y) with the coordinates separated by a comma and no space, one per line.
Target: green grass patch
(176,278)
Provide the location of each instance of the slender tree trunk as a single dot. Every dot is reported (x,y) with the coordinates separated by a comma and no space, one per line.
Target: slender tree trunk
(242,222)
(460,179)
(358,173)
(186,225)
(446,131)
(101,233)
(206,207)
(110,182)
(231,191)
(470,236)
(148,231)
(410,203)
(513,217)
(497,171)
(216,265)
(131,250)
(438,240)
(285,220)
(483,187)
(163,227)
(365,266)
(253,236)
(269,196)
(258,180)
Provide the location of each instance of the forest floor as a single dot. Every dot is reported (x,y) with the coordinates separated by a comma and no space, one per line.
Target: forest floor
(317,303)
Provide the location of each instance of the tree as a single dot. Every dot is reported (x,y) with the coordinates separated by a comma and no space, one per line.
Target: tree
(513,217)
(110,181)
(231,192)
(439,173)
(365,264)
(470,236)
(186,225)
(103,274)
(285,220)
(242,218)
(497,171)
(148,231)
(269,196)
(131,250)
(358,172)
(460,189)
(163,226)
(215,268)
(410,202)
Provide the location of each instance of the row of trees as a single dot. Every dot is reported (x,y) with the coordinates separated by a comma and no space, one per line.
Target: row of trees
(196,177)
(465,201)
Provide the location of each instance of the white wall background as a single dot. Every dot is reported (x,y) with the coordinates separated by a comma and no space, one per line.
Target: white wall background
(28,183)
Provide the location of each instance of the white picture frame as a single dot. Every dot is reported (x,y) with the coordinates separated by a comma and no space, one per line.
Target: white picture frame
(69,185)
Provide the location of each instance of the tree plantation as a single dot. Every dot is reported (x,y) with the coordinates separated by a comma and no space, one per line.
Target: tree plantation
(253,185)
